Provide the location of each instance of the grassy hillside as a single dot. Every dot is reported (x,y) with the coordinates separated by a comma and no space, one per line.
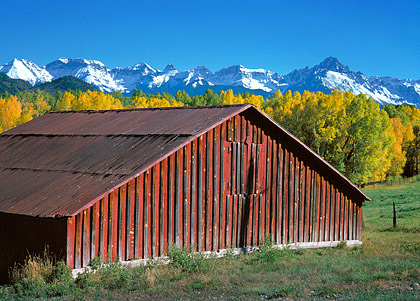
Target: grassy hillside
(64,84)
(384,268)
(12,85)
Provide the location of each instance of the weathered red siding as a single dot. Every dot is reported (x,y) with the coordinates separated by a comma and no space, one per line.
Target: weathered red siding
(230,187)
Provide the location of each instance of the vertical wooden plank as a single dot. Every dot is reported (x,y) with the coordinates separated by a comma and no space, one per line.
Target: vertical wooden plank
(296,199)
(234,221)
(97,242)
(285,203)
(279,193)
(312,227)
(267,185)
(256,200)
(354,221)
(104,203)
(86,237)
(163,206)
(209,199)
(327,211)
(130,220)
(237,220)
(230,130)
(136,218)
(238,128)
(78,243)
(332,211)
(345,217)
(147,215)
(171,197)
(351,219)
(215,179)
(242,171)
(319,209)
(301,199)
(186,194)
(140,213)
(338,212)
(194,237)
(322,209)
(111,223)
(234,129)
(359,230)
(253,220)
(291,198)
(114,242)
(341,223)
(229,209)
(156,209)
(307,204)
(93,232)
(200,194)
(177,184)
(175,209)
(222,189)
(228,223)
(71,234)
(233,168)
(180,207)
(122,209)
(273,187)
(202,203)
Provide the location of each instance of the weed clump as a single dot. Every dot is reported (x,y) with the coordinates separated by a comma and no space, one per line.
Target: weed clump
(268,253)
(39,276)
(187,260)
(341,245)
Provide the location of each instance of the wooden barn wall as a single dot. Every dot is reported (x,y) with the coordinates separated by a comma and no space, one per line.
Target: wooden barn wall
(231,187)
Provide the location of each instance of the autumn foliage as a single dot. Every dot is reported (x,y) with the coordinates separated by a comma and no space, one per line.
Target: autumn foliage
(363,141)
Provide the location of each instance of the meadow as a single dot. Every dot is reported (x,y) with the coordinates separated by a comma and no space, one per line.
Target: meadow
(383,268)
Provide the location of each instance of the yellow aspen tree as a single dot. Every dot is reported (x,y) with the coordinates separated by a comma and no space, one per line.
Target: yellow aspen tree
(10,113)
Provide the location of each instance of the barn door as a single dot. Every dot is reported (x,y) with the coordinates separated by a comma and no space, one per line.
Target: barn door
(244,175)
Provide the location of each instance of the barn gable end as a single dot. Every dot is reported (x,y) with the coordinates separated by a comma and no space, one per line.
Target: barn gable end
(209,178)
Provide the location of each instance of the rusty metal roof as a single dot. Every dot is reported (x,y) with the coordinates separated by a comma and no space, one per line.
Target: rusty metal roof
(58,163)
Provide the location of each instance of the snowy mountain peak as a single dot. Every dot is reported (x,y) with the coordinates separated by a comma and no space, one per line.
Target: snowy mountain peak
(141,66)
(328,75)
(332,64)
(26,70)
(169,68)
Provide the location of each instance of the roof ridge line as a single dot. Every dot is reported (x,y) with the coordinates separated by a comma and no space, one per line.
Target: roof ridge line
(71,171)
(96,135)
(152,109)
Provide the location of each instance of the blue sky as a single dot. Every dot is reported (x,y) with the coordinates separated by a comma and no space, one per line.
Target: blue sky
(375,37)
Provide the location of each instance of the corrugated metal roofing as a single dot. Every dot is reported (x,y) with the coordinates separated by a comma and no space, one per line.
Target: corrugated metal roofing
(182,120)
(58,163)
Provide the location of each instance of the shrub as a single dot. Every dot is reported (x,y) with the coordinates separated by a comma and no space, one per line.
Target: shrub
(187,260)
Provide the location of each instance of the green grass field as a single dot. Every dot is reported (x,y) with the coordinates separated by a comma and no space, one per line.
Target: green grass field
(382,269)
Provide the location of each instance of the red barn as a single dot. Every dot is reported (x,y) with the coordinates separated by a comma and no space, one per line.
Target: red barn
(128,183)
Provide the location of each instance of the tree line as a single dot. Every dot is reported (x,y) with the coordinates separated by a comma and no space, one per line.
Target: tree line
(363,141)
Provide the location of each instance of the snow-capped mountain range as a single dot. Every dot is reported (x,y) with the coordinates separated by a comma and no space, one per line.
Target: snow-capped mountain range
(326,76)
